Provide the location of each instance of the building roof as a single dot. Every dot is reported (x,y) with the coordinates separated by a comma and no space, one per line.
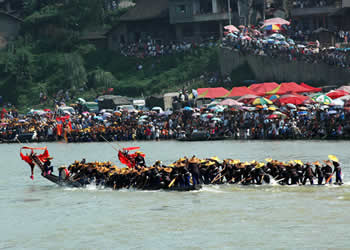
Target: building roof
(147,9)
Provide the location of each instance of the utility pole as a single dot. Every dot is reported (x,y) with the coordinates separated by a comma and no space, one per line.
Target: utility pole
(229,11)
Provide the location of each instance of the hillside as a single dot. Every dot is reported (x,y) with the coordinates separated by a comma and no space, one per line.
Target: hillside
(48,56)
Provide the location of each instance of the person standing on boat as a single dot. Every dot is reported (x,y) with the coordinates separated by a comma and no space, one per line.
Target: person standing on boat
(47,166)
(139,159)
(337,169)
(319,172)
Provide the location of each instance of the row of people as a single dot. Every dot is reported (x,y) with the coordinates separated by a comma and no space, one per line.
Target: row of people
(194,171)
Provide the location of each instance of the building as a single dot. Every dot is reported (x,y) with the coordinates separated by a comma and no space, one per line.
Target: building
(9,28)
(147,19)
(194,19)
(182,19)
(333,16)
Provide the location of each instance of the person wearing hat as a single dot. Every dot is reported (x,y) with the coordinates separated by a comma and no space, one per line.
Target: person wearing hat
(139,159)
(47,166)
(327,171)
(308,174)
(337,171)
(194,170)
(318,172)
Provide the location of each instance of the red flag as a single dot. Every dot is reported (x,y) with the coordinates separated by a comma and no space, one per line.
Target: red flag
(26,158)
(125,159)
(43,157)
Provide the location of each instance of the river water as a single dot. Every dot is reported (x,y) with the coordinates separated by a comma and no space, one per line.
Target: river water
(40,215)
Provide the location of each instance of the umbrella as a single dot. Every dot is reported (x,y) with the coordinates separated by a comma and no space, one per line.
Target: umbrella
(301,46)
(276,20)
(302,112)
(277,36)
(231,102)
(231,28)
(272,116)
(272,108)
(291,41)
(337,102)
(278,113)
(188,108)
(292,99)
(196,114)
(323,99)
(144,117)
(216,119)
(332,112)
(291,106)
(274,97)
(246,38)
(345,98)
(261,101)
(334,94)
(246,98)
(272,27)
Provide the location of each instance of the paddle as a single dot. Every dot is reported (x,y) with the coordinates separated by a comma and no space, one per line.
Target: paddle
(172,182)
(329,178)
(111,143)
(218,176)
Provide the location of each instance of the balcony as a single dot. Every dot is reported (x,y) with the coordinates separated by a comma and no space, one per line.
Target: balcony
(206,17)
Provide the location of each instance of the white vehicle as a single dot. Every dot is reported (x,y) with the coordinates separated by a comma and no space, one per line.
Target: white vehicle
(157,109)
(129,108)
(62,111)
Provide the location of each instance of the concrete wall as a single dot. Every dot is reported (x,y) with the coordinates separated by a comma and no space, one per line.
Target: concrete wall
(268,69)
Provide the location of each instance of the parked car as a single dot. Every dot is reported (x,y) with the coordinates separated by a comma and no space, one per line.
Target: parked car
(129,108)
(62,111)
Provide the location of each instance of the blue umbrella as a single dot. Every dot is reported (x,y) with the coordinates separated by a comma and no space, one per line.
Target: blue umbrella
(291,41)
(270,40)
(302,113)
(188,108)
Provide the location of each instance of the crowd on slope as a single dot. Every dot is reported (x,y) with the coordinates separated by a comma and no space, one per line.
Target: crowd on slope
(250,41)
(151,48)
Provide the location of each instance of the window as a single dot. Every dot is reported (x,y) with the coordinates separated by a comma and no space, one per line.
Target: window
(180,9)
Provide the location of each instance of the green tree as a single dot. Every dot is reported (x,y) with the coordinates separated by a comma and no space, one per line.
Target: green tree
(100,78)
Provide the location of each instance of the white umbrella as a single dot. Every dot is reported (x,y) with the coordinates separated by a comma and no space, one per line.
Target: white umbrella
(337,102)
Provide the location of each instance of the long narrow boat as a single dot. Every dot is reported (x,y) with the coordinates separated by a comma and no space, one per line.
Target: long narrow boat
(68,182)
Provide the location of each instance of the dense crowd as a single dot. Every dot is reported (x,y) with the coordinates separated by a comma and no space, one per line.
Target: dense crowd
(311,122)
(250,41)
(151,48)
(313,3)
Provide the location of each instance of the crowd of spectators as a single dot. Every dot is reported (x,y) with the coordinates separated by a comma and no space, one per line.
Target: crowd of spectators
(313,3)
(153,48)
(250,41)
(313,122)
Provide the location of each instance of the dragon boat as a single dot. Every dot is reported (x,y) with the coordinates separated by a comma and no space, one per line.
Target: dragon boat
(182,175)
(64,177)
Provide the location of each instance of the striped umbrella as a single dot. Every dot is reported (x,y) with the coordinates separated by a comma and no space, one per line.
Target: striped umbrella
(322,99)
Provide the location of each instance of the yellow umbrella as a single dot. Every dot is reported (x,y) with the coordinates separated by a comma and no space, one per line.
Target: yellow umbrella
(261,101)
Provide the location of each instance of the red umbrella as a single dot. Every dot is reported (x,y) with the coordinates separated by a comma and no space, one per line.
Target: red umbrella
(272,116)
(334,94)
(310,88)
(240,91)
(262,88)
(293,99)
